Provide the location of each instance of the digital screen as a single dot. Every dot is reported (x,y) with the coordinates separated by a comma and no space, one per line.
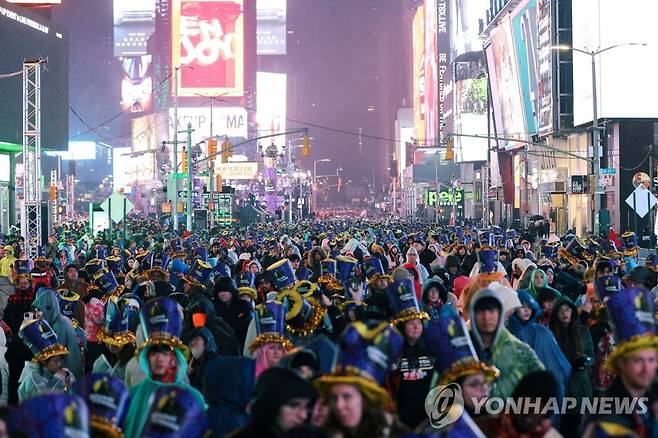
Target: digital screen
(432,76)
(134,23)
(30,36)
(271,102)
(120,168)
(271,27)
(226,121)
(624,74)
(208,35)
(471,118)
(506,86)
(418,41)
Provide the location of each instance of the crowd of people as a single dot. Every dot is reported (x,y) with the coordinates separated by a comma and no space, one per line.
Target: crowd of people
(330,328)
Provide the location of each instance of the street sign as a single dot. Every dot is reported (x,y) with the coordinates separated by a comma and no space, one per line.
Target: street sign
(608,171)
(117,206)
(180,175)
(643,202)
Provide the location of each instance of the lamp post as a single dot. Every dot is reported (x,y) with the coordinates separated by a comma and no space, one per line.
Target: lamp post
(315,172)
(596,162)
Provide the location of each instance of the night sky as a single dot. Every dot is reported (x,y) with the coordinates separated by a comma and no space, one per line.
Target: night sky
(344,57)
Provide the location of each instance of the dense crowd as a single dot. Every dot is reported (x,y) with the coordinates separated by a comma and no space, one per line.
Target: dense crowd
(331,328)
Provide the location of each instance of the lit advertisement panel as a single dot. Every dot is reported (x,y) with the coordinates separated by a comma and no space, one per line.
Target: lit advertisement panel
(504,77)
(134,23)
(27,35)
(271,102)
(36,2)
(545,66)
(226,121)
(418,29)
(78,151)
(120,165)
(271,27)
(209,36)
(625,74)
(471,118)
(137,84)
(4,167)
(524,29)
(431,72)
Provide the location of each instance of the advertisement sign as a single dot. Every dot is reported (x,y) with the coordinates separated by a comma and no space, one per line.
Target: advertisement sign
(4,168)
(432,74)
(137,84)
(134,23)
(471,118)
(78,151)
(418,41)
(271,27)
(440,50)
(226,121)
(148,132)
(545,66)
(209,36)
(524,30)
(243,170)
(504,77)
(622,92)
(445,197)
(120,165)
(271,102)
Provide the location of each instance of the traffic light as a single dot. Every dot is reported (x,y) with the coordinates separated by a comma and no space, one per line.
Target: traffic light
(184,158)
(212,148)
(53,193)
(226,150)
(220,183)
(450,152)
(306,146)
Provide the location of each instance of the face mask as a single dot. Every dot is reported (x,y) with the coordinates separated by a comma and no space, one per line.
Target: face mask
(197,352)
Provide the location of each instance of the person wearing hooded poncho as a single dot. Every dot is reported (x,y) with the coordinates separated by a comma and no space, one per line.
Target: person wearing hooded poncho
(522,324)
(47,303)
(161,358)
(496,346)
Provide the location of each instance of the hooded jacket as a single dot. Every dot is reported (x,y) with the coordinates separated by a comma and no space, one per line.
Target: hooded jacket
(47,302)
(446,297)
(228,383)
(237,312)
(541,340)
(142,393)
(198,365)
(7,263)
(511,356)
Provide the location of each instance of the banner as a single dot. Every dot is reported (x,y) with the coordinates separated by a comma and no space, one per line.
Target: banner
(241,170)
(208,35)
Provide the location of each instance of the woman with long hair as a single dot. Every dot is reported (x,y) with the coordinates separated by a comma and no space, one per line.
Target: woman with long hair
(575,342)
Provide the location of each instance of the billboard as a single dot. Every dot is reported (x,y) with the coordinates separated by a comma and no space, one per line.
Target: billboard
(271,102)
(130,169)
(226,121)
(524,30)
(30,36)
(134,23)
(505,84)
(545,68)
(625,73)
(78,151)
(120,165)
(242,170)
(432,71)
(209,36)
(271,27)
(137,84)
(418,46)
(471,118)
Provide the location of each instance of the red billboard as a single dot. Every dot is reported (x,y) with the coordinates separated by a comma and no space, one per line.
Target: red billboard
(208,35)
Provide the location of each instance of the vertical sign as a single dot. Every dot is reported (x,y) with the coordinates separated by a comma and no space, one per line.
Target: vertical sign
(545,56)
(208,35)
(443,44)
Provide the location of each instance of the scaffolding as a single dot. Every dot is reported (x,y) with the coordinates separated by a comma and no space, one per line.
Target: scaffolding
(31,210)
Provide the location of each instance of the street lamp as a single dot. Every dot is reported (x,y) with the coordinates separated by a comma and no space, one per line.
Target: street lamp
(315,163)
(595,124)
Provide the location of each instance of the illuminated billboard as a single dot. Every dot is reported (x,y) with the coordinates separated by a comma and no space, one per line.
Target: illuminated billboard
(36,2)
(271,27)
(505,84)
(418,41)
(431,73)
(471,118)
(208,35)
(26,35)
(134,23)
(137,84)
(271,102)
(226,121)
(624,74)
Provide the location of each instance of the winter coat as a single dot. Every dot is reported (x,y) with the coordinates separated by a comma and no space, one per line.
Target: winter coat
(227,389)
(198,366)
(48,303)
(237,313)
(511,356)
(580,384)
(541,340)
(225,338)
